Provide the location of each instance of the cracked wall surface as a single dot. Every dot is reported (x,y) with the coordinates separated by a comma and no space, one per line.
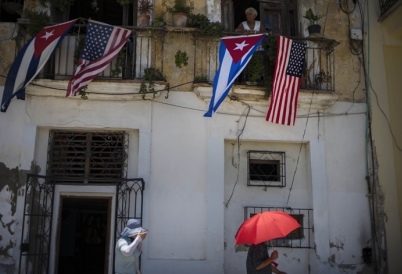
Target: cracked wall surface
(9,187)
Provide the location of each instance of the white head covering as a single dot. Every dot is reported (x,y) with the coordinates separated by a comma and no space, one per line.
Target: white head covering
(133,227)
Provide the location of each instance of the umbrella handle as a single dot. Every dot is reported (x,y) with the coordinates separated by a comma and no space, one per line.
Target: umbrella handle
(272,245)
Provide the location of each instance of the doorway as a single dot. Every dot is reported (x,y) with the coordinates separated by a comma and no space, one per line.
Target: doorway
(83,235)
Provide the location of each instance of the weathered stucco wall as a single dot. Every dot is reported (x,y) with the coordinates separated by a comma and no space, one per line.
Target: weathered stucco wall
(384,59)
(8,32)
(349,76)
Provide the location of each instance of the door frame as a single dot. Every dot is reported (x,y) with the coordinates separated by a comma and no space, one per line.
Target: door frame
(58,231)
(81,191)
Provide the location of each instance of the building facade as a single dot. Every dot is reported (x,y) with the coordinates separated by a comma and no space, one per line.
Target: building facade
(72,170)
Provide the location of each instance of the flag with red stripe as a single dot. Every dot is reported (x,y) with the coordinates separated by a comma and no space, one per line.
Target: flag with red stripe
(290,57)
(234,55)
(102,43)
(31,59)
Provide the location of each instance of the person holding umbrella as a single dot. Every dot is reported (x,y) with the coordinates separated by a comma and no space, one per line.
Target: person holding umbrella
(259,229)
(259,262)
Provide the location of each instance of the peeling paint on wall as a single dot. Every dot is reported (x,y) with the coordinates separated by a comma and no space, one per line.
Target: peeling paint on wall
(339,244)
(9,182)
(12,186)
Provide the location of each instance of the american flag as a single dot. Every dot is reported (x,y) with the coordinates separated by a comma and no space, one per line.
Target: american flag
(102,43)
(290,57)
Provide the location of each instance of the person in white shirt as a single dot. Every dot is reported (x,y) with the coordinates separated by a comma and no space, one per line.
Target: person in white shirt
(251,25)
(128,248)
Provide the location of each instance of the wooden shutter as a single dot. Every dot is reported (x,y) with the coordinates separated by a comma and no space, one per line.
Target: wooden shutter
(280,16)
(227,15)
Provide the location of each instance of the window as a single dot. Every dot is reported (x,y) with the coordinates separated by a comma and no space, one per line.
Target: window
(266,168)
(89,157)
(280,16)
(9,10)
(301,237)
(106,11)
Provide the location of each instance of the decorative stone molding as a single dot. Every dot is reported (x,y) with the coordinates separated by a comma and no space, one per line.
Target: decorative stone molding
(111,90)
(256,96)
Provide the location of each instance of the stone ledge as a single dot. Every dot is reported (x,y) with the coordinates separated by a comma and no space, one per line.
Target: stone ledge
(111,90)
(256,96)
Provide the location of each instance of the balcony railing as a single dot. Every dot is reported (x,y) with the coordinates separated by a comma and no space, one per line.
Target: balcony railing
(156,47)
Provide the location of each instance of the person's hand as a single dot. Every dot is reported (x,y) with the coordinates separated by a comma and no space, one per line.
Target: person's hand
(143,235)
(274,255)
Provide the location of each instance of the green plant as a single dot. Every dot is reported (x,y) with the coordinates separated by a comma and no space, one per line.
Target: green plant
(83,92)
(181,58)
(204,26)
(181,6)
(124,2)
(80,42)
(153,74)
(312,17)
(267,84)
(59,4)
(255,68)
(145,7)
(201,79)
(159,21)
(37,21)
(120,61)
(270,46)
(322,77)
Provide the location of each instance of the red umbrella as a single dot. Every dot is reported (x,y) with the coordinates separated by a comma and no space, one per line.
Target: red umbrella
(265,226)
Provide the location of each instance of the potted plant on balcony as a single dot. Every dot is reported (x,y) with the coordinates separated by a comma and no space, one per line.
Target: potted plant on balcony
(58,4)
(145,7)
(180,12)
(255,69)
(37,21)
(12,7)
(314,27)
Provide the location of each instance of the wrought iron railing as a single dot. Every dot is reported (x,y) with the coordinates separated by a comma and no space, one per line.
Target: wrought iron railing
(386,5)
(38,212)
(151,47)
(302,237)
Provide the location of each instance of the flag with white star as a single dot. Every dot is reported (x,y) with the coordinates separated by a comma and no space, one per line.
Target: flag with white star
(234,55)
(102,43)
(31,59)
(290,57)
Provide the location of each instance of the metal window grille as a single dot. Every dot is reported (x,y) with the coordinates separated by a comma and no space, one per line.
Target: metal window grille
(266,168)
(386,5)
(89,157)
(302,237)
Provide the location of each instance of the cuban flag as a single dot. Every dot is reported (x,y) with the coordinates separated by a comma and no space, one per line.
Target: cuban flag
(234,54)
(31,59)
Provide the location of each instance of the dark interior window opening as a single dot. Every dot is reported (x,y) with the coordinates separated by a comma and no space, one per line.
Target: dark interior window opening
(106,11)
(84,235)
(9,10)
(264,170)
(240,8)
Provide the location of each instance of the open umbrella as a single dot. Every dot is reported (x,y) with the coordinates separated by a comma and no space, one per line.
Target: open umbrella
(265,226)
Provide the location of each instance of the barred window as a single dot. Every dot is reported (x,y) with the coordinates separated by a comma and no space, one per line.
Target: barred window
(301,237)
(89,157)
(266,168)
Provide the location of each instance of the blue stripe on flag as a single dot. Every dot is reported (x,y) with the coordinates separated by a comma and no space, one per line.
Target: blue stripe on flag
(234,71)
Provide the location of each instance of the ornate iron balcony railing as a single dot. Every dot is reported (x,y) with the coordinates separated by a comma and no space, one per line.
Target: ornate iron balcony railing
(155,47)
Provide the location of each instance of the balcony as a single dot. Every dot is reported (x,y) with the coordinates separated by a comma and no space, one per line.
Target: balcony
(152,50)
